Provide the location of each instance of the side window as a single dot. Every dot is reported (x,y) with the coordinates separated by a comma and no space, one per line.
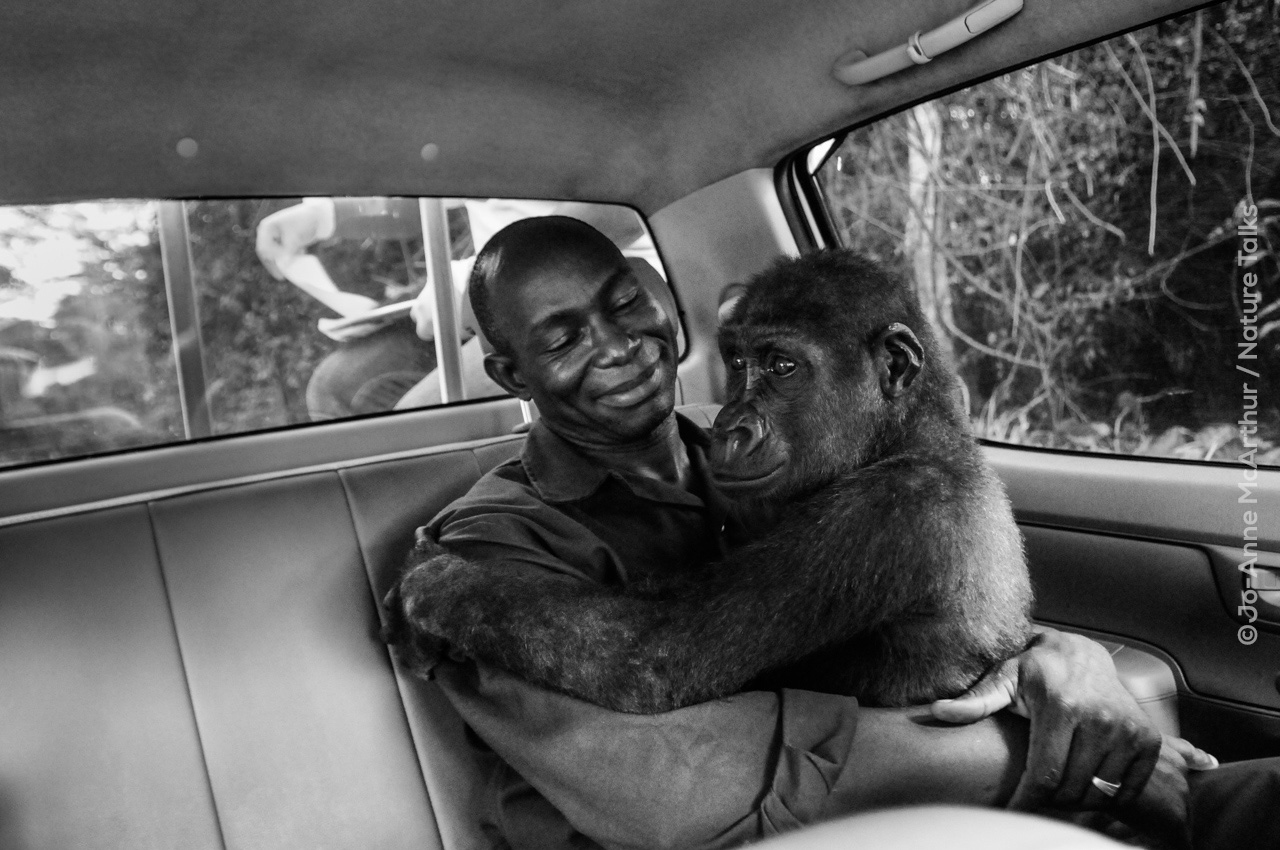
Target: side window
(133,323)
(1097,236)
(85,362)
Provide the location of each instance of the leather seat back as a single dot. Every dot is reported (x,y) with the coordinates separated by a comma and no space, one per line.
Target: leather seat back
(205,670)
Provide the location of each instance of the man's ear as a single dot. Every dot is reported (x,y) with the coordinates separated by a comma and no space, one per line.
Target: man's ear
(899,357)
(502,370)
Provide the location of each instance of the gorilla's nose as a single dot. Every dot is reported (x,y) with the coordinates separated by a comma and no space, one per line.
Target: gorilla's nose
(735,437)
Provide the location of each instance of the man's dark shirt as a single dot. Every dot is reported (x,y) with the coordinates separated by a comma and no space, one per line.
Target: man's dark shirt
(714,774)
(554,508)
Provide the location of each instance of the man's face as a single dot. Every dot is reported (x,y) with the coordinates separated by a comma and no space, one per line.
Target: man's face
(591,347)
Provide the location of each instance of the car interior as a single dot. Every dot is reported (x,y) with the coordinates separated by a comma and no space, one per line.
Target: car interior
(189,622)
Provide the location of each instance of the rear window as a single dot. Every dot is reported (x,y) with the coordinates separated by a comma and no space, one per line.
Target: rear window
(127,323)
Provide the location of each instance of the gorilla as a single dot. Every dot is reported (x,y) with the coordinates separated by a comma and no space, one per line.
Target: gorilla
(887,564)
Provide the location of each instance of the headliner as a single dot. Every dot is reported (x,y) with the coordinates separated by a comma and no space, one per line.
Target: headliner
(635,101)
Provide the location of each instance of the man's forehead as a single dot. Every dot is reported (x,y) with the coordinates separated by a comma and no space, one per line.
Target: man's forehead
(520,269)
(560,285)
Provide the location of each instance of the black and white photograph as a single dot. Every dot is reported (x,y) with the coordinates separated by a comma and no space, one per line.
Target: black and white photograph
(639,425)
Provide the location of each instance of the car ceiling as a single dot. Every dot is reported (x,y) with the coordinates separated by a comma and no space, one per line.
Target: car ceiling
(636,101)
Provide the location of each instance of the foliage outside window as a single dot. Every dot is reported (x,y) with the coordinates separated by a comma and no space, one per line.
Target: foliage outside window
(1073,230)
(85,359)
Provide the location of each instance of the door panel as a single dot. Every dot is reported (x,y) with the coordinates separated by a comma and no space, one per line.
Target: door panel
(1160,593)
(1141,551)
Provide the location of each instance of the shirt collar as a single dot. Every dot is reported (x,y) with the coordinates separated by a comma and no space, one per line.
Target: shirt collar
(560,473)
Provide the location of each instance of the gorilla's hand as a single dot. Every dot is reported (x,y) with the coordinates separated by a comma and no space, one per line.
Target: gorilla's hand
(590,641)
(410,617)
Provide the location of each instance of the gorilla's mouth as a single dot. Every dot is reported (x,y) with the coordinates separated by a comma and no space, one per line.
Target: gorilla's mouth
(736,480)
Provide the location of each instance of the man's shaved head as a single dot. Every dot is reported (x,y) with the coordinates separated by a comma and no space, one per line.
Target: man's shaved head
(523,249)
(575,331)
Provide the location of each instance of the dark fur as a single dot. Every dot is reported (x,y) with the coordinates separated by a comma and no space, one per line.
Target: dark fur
(894,571)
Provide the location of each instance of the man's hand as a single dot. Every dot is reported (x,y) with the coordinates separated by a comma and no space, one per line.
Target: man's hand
(1084,724)
(1161,810)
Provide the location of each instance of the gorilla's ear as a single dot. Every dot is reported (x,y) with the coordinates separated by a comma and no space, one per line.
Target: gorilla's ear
(899,357)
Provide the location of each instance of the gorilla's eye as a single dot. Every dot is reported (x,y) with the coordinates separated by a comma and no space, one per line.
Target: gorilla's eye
(737,363)
(781,365)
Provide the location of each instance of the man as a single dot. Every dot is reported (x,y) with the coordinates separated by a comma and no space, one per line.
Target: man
(611,487)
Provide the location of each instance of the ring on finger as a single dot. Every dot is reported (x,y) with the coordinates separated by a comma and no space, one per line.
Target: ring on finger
(1108,788)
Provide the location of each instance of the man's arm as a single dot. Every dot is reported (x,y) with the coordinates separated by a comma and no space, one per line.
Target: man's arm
(730,770)
(1084,724)
(1081,717)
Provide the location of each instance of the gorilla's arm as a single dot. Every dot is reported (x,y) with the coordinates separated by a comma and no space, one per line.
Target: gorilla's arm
(769,605)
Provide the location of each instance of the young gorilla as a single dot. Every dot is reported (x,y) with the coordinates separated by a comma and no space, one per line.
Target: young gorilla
(893,570)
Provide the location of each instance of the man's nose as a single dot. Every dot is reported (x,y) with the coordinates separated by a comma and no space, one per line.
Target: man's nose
(612,345)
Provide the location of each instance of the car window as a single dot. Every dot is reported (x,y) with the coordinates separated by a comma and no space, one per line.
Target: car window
(1097,237)
(127,323)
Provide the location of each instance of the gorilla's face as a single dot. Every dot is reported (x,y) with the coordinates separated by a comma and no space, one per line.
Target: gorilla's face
(808,398)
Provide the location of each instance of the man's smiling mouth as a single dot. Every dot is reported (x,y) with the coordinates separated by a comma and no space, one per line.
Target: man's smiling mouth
(632,392)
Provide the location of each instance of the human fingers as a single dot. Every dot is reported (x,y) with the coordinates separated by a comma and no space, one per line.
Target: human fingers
(1196,758)
(1087,758)
(1070,681)
(1158,803)
(1106,780)
(1113,748)
(1143,754)
(995,691)
(1048,753)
